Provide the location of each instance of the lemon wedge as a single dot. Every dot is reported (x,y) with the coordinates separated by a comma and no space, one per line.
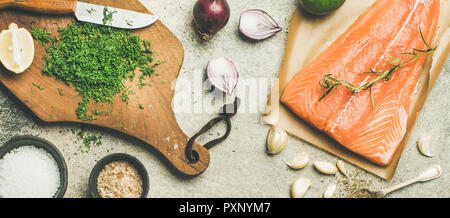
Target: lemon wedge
(16,48)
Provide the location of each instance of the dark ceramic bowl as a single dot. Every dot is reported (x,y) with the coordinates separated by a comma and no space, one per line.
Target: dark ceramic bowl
(93,191)
(19,141)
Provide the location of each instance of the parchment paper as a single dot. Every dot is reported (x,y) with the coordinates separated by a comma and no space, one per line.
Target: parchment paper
(308,37)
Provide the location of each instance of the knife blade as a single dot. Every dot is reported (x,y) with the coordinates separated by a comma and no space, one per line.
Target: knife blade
(85,12)
(109,16)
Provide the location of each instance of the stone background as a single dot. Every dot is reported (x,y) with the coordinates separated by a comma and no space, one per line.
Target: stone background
(239,166)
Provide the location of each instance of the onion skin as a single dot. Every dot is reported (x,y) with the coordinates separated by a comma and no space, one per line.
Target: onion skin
(210,16)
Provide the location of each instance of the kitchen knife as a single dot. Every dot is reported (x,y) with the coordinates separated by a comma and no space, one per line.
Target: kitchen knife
(85,12)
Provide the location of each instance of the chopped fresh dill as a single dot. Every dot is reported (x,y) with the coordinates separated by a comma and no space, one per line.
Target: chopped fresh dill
(97,61)
(88,141)
(38,86)
(108,16)
(90,11)
(328,82)
(97,112)
(129,22)
(42,35)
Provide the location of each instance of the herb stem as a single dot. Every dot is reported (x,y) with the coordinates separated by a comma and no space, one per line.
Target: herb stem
(328,82)
(38,86)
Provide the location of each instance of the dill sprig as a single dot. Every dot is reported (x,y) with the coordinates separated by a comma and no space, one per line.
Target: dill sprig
(328,82)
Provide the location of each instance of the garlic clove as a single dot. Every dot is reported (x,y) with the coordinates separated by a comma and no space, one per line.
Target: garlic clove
(424,145)
(276,140)
(325,167)
(341,166)
(299,187)
(330,191)
(300,161)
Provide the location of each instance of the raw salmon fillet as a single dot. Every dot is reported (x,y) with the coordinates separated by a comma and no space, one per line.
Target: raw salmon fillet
(379,36)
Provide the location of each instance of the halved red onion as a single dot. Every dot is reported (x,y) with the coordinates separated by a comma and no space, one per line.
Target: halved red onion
(258,25)
(222,74)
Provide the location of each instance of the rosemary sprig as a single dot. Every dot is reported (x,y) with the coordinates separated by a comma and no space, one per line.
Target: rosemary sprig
(328,82)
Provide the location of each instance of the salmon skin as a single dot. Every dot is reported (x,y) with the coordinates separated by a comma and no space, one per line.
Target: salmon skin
(385,31)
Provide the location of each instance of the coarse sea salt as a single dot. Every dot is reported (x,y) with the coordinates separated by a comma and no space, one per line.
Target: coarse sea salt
(28,172)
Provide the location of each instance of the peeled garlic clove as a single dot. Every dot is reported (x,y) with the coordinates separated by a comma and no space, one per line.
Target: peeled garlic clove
(424,145)
(325,167)
(341,166)
(300,160)
(329,191)
(299,187)
(276,140)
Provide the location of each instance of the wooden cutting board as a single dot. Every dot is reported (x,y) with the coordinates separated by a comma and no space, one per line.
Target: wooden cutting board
(155,124)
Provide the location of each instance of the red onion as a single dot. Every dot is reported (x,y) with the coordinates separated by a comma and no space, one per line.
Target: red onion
(257,25)
(222,74)
(210,16)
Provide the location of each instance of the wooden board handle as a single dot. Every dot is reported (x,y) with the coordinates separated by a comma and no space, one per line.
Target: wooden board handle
(5,3)
(59,7)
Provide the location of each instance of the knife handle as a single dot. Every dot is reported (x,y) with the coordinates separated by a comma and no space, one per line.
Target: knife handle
(59,7)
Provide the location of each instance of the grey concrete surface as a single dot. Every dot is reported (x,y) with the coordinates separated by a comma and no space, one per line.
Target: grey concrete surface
(240,166)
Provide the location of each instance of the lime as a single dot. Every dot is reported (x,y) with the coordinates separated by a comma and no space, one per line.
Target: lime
(321,7)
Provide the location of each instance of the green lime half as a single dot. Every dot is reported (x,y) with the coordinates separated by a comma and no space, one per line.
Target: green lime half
(321,7)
